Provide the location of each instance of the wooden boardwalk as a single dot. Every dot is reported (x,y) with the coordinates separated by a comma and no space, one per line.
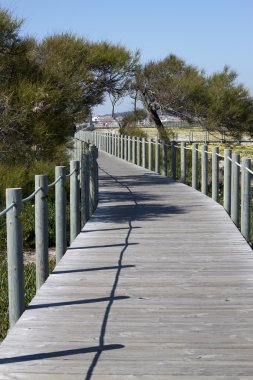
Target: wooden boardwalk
(157,286)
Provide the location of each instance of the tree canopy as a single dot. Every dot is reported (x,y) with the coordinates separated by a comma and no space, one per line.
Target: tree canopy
(216,102)
(47,87)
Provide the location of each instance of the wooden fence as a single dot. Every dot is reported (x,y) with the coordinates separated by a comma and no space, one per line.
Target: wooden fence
(226,178)
(83,198)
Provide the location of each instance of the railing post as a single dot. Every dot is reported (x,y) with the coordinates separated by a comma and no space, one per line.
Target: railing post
(93,179)
(235,183)
(125,147)
(129,149)
(121,146)
(173,160)
(119,140)
(41,230)
(110,144)
(195,166)
(116,145)
(246,198)
(138,151)
(165,159)
(204,170)
(157,156)
(113,143)
(150,154)
(15,256)
(143,152)
(85,188)
(96,176)
(74,200)
(133,151)
(215,173)
(183,162)
(60,213)
(227,180)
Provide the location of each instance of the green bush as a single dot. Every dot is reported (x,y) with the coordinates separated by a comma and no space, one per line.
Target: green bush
(23,176)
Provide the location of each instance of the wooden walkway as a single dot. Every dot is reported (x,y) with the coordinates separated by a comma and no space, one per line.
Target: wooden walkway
(157,286)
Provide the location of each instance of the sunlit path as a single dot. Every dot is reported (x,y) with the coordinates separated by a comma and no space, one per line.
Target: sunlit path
(158,285)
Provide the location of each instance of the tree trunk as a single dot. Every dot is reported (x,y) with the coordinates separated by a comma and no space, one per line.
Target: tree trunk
(155,117)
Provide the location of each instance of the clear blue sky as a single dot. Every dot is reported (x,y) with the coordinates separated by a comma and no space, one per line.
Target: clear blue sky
(206,33)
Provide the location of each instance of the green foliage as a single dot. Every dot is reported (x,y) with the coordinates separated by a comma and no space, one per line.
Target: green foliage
(216,102)
(229,106)
(47,87)
(130,122)
(173,86)
(23,176)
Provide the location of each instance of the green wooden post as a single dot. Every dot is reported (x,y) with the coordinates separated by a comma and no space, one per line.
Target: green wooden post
(215,173)
(157,156)
(165,159)
(15,256)
(150,154)
(183,162)
(93,179)
(102,147)
(96,176)
(246,198)
(122,147)
(119,140)
(108,142)
(85,188)
(138,151)
(125,147)
(204,170)
(111,144)
(133,151)
(60,213)
(195,166)
(129,149)
(41,230)
(143,152)
(227,180)
(117,145)
(235,189)
(74,200)
(173,160)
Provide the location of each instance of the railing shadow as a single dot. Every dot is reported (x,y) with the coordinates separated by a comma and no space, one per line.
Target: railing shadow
(57,354)
(78,302)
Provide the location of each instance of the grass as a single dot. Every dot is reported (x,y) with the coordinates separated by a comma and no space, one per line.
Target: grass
(30,290)
(23,176)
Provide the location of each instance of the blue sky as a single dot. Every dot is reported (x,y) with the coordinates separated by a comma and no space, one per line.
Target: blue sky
(207,33)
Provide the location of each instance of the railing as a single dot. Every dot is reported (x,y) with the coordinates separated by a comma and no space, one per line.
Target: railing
(83,197)
(229,181)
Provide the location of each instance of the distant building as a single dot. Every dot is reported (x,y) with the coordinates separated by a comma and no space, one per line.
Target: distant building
(104,121)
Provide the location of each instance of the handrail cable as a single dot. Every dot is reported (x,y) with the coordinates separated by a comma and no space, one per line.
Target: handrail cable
(70,174)
(250,171)
(55,182)
(31,196)
(4,212)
